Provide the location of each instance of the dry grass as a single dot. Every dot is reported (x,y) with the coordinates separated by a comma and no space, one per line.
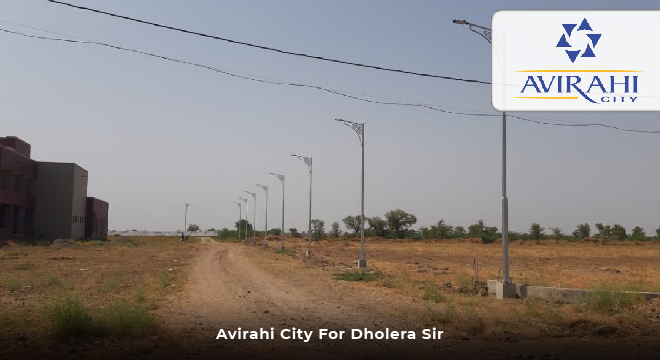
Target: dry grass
(110,280)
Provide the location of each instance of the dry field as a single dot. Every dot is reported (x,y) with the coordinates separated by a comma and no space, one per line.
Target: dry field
(160,298)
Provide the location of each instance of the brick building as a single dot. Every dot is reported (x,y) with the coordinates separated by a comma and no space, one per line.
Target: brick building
(46,200)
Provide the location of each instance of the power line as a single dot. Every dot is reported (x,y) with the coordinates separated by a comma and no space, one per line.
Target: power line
(331,91)
(262,47)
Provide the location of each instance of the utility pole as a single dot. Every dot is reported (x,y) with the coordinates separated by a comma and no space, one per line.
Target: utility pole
(359,130)
(254,223)
(185,223)
(281,178)
(240,217)
(506,290)
(308,162)
(265,222)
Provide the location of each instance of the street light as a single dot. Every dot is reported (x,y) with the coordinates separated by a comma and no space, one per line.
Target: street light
(254,221)
(247,210)
(486,33)
(240,217)
(359,130)
(266,221)
(281,177)
(185,223)
(308,162)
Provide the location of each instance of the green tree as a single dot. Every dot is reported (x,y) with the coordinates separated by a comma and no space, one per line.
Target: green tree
(556,232)
(604,231)
(193,227)
(536,232)
(334,230)
(318,229)
(458,232)
(353,223)
(378,226)
(582,231)
(638,234)
(475,230)
(241,223)
(488,234)
(441,230)
(657,233)
(275,231)
(399,221)
(294,232)
(619,232)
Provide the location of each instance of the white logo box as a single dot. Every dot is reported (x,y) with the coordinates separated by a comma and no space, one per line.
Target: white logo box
(524,45)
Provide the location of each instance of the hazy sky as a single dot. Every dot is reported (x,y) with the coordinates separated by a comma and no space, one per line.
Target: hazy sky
(155,135)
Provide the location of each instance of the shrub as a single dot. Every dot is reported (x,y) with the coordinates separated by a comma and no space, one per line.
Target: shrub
(164,279)
(25,266)
(113,281)
(361,275)
(608,301)
(431,292)
(68,316)
(52,279)
(12,283)
(122,318)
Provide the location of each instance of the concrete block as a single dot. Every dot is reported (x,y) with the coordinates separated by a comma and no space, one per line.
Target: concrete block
(505,291)
(362,263)
(492,284)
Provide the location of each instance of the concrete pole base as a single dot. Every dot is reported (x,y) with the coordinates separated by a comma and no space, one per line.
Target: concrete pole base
(505,291)
(281,248)
(362,263)
(265,244)
(308,253)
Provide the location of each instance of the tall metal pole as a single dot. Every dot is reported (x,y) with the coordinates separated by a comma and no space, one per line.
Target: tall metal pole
(281,178)
(265,222)
(185,223)
(240,217)
(308,162)
(247,211)
(359,129)
(486,33)
(254,221)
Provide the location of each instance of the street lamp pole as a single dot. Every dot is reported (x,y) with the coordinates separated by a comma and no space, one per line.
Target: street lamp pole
(247,211)
(359,130)
(266,221)
(281,178)
(308,162)
(254,221)
(240,217)
(486,33)
(185,223)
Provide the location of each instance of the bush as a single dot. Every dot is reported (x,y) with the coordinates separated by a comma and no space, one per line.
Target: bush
(25,266)
(608,301)
(122,319)
(361,275)
(67,315)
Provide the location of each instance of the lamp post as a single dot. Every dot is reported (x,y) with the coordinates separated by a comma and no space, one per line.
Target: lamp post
(486,33)
(281,177)
(240,217)
(308,162)
(266,220)
(247,210)
(254,221)
(359,130)
(185,223)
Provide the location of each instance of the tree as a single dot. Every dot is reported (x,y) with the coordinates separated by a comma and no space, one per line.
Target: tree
(378,226)
(603,231)
(536,231)
(556,232)
(334,230)
(241,224)
(275,231)
(657,233)
(475,230)
(638,234)
(318,229)
(486,233)
(294,232)
(459,232)
(211,229)
(399,221)
(619,232)
(353,223)
(582,231)
(193,227)
(441,230)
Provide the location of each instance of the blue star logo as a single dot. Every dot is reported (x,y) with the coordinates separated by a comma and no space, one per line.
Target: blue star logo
(584,26)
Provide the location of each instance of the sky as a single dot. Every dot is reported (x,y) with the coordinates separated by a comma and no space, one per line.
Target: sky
(155,135)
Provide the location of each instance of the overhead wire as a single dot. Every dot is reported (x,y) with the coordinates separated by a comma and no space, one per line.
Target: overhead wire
(268,48)
(320,88)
